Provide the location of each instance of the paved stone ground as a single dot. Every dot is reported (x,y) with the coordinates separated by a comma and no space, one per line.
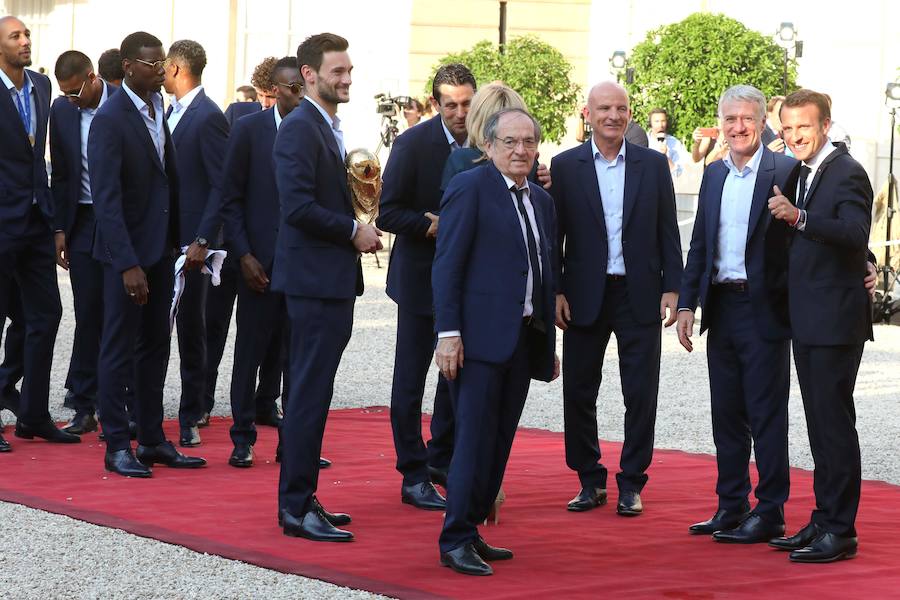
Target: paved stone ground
(60,557)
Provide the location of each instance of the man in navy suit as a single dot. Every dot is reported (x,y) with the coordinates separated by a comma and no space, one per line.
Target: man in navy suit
(70,121)
(831,317)
(200,134)
(317,268)
(134,187)
(236,110)
(620,260)
(494,289)
(26,231)
(410,201)
(737,271)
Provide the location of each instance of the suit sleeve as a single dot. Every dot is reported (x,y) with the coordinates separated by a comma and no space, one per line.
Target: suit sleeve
(59,173)
(459,211)
(297,152)
(667,231)
(689,293)
(214,136)
(557,192)
(234,188)
(849,227)
(398,193)
(104,166)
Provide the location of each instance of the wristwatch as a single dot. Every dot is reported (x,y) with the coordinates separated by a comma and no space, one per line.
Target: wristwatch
(201,241)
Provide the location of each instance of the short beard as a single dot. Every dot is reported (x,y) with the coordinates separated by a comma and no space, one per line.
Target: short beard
(328,94)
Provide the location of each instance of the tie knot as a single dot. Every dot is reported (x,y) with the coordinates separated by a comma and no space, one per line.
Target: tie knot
(805,171)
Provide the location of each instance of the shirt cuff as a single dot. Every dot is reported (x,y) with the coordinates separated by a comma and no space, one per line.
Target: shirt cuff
(684,309)
(355,226)
(446,334)
(800,225)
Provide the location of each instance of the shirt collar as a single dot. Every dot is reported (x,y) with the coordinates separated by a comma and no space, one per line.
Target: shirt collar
(595,152)
(155,97)
(103,98)
(820,156)
(278,117)
(10,85)
(510,183)
(333,121)
(450,139)
(185,102)
(751,167)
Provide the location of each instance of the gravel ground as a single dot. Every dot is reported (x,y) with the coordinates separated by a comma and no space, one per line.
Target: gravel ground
(364,379)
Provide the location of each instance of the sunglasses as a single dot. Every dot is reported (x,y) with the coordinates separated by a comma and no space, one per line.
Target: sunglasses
(155,65)
(72,96)
(295,86)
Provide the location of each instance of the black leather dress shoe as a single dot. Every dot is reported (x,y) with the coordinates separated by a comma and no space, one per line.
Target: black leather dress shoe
(801,539)
(723,519)
(4,445)
(587,499)
(190,437)
(423,495)
(124,463)
(629,504)
(81,424)
(466,561)
(241,456)
(46,431)
(438,476)
(490,553)
(828,547)
(324,463)
(269,418)
(203,421)
(313,526)
(752,530)
(336,519)
(166,454)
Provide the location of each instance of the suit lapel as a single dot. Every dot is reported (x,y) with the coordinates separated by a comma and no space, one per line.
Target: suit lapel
(8,105)
(713,200)
(143,134)
(509,211)
(587,176)
(633,170)
(42,104)
(841,149)
(189,114)
(764,181)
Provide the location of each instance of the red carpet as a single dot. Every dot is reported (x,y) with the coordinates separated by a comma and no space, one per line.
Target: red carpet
(231,512)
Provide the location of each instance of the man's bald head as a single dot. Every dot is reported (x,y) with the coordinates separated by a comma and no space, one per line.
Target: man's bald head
(15,43)
(607,88)
(609,114)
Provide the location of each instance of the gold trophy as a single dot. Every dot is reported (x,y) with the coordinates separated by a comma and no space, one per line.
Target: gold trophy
(364,179)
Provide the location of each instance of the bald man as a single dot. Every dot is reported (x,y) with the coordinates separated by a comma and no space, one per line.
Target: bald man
(619,270)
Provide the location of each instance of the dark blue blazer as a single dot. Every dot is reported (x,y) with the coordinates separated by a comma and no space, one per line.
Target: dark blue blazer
(135,195)
(828,303)
(200,138)
(412,187)
(651,244)
(236,110)
(765,256)
(23,171)
(249,195)
(65,155)
(481,266)
(314,255)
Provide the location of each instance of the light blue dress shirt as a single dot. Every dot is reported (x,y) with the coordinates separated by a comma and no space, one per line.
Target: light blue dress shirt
(611,181)
(454,145)
(677,152)
(179,107)
(734,219)
(87,117)
(20,96)
(155,127)
(335,123)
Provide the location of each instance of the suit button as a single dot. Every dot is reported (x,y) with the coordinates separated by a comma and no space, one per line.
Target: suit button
(524,273)
(165,210)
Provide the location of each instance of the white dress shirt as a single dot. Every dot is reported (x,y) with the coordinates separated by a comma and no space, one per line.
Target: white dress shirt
(454,145)
(179,107)
(814,164)
(611,182)
(23,96)
(278,117)
(155,126)
(87,117)
(734,219)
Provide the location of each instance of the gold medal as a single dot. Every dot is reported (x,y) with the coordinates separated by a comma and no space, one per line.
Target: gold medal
(31,140)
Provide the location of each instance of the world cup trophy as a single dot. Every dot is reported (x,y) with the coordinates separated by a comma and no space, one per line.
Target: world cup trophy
(364,178)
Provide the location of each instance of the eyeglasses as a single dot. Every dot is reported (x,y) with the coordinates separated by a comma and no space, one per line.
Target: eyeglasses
(71,96)
(155,65)
(295,86)
(513,143)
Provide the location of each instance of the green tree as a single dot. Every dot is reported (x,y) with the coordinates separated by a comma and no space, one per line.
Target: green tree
(535,69)
(684,67)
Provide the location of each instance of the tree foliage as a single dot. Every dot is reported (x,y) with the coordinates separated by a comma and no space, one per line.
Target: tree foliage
(535,69)
(684,67)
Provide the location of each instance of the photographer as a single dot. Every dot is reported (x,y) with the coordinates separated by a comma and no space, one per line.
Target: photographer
(662,142)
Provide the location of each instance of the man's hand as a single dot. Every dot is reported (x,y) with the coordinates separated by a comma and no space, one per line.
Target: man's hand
(697,135)
(135,282)
(776,145)
(556,367)
(62,253)
(871,279)
(448,356)
(781,208)
(543,173)
(433,228)
(563,314)
(685,329)
(254,274)
(668,301)
(366,238)
(663,147)
(195,257)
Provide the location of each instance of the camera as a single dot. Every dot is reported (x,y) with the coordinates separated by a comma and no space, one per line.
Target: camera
(390,106)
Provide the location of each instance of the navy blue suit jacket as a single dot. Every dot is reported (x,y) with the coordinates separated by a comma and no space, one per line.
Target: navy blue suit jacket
(200,139)
(23,171)
(314,255)
(249,195)
(481,267)
(65,155)
(135,195)
(236,110)
(828,303)
(765,257)
(651,244)
(412,187)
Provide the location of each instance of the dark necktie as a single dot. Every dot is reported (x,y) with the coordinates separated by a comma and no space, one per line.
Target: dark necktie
(801,190)
(537,295)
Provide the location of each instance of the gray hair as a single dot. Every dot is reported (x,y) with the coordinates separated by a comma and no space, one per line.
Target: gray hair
(744,93)
(490,126)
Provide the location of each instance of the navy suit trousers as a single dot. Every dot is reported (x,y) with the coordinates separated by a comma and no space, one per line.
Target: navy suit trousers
(191,323)
(749,381)
(639,353)
(13,367)
(134,347)
(414,350)
(320,330)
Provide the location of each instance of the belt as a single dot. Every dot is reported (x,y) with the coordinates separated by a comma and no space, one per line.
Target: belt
(733,286)
(611,277)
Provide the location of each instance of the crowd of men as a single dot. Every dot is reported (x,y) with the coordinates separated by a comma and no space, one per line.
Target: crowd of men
(483,274)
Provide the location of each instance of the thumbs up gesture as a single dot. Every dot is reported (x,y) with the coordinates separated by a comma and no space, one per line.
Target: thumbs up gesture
(782,208)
